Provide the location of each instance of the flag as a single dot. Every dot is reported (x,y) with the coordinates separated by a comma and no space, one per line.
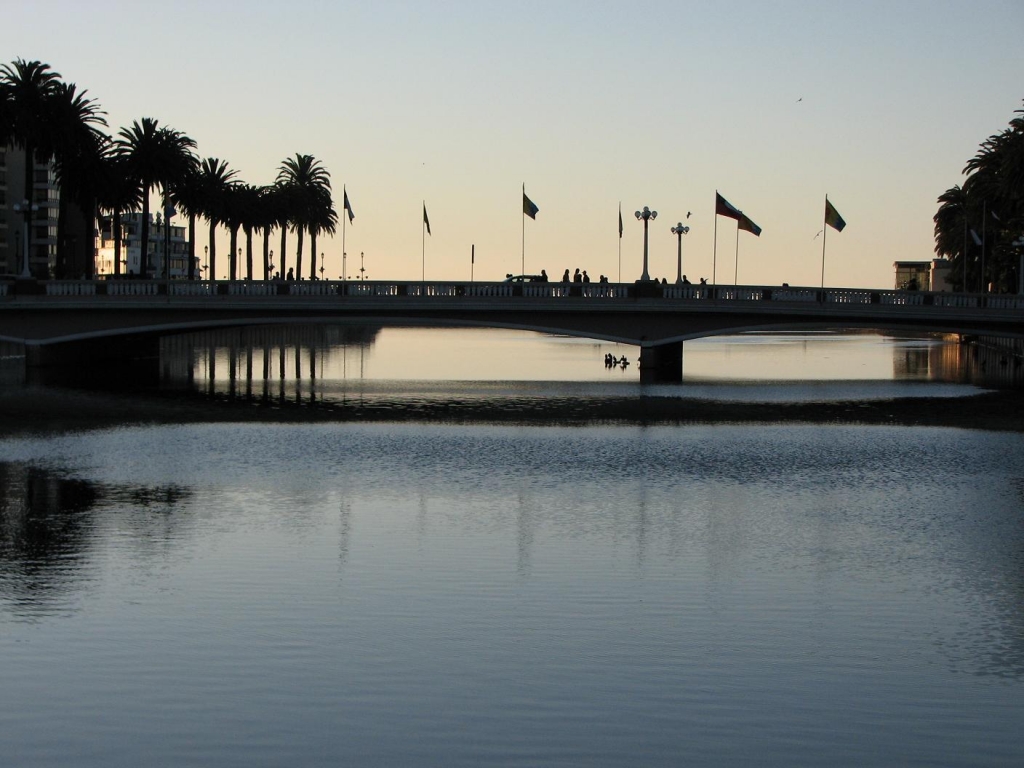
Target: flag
(426,221)
(832,217)
(724,208)
(348,206)
(528,206)
(744,223)
(620,221)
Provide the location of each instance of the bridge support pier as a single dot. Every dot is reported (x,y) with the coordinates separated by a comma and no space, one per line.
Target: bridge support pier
(661,364)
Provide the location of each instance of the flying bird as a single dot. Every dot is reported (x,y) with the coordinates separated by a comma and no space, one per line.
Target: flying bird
(817,235)
(687,214)
(800,99)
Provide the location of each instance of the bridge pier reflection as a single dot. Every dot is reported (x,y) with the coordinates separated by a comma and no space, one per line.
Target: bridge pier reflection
(662,363)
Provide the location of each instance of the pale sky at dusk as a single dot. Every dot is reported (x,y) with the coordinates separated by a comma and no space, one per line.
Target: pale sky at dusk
(878,104)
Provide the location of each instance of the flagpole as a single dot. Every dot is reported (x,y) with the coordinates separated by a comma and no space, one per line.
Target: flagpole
(714,254)
(824,235)
(736,269)
(344,217)
(423,245)
(522,266)
(620,241)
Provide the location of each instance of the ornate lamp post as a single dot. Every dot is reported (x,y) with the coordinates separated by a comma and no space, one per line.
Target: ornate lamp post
(26,209)
(646,215)
(206,258)
(321,265)
(679,230)
(270,265)
(362,269)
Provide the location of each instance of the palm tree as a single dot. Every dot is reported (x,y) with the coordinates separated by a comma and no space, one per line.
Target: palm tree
(307,177)
(157,157)
(322,218)
(77,143)
(214,179)
(116,193)
(187,196)
(248,199)
(27,89)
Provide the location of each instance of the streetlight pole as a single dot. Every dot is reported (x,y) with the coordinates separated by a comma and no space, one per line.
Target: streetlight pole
(321,265)
(679,230)
(26,209)
(362,269)
(206,258)
(270,264)
(646,215)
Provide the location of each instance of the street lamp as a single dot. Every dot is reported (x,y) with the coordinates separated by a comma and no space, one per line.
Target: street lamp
(26,209)
(206,258)
(270,266)
(321,265)
(646,215)
(362,269)
(679,230)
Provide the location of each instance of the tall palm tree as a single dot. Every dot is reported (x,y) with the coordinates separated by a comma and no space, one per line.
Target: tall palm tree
(187,196)
(214,179)
(249,200)
(158,157)
(77,143)
(27,90)
(116,193)
(307,177)
(322,219)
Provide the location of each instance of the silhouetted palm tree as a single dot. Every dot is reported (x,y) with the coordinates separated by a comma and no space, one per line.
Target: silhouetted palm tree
(187,196)
(156,157)
(77,143)
(322,219)
(248,200)
(214,178)
(307,177)
(26,90)
(116,193)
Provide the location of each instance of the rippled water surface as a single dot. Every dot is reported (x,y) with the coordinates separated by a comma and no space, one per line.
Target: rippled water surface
(247,595)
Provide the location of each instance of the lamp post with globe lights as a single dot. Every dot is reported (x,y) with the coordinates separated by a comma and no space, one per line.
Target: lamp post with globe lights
(679,230)
(646,215)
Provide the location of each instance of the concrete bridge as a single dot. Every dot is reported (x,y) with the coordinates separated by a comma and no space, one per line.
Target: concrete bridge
(76,322)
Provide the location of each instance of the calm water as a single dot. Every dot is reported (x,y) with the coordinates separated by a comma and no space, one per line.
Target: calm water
(429,595)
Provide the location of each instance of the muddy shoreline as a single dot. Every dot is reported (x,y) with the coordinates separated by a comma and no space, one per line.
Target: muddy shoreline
(49,410)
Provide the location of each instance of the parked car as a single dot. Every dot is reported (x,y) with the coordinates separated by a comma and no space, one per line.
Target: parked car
(525,279)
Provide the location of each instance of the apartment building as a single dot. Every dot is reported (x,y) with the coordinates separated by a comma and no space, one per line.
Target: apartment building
(42,234)
(131,247)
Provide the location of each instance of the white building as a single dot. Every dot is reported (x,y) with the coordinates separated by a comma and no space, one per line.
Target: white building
(131,247)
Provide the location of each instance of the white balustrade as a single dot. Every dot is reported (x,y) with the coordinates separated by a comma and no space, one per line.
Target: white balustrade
(794,294)
(833,296)
(191,288)
(70,288)
(132,288)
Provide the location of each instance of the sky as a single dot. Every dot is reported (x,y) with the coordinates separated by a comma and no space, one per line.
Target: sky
(592,105)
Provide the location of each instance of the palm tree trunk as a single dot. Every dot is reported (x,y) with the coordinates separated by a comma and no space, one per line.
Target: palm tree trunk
(213,249)
(312,254)
(191,246)
(233,255)
(284,253)
(298,256)
(115,232)
(248,253)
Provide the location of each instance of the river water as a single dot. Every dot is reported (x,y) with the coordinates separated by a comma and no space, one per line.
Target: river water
(254,594)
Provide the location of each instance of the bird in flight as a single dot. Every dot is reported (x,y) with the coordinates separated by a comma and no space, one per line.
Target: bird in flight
(687,214)
(800,99)
(818,235)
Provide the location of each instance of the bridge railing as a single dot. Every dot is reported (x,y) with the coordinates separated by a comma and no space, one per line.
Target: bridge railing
(498,290)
